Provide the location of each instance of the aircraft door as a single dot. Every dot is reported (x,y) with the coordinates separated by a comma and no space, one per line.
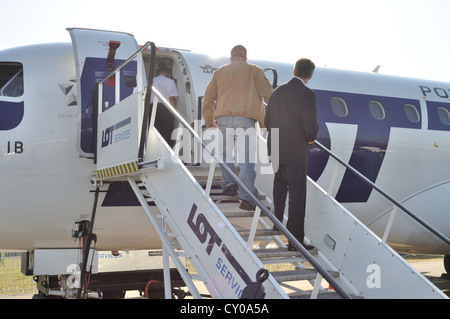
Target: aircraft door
(97,53)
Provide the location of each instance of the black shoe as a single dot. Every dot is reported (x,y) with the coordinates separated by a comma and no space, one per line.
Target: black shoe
(245,205)
(291,247)
(307,247)
(230,190)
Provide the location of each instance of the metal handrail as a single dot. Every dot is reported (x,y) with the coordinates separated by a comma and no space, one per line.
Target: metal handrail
(322,271)
(275,76)
(147,103)
(385,194)
(120,67)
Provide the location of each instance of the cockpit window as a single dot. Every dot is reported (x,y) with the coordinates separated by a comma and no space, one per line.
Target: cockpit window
(11,79)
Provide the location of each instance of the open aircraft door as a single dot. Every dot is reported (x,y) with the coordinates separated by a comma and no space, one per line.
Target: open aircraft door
(97,54)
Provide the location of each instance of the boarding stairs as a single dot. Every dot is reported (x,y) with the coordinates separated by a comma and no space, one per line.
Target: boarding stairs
(227,246)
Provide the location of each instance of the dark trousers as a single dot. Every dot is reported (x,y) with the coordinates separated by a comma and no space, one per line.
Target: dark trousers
(293,179)
(164,123)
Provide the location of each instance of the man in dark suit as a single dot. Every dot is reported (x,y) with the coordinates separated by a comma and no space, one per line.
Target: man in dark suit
(291,119)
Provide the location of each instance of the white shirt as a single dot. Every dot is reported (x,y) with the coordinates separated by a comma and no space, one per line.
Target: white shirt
(165,86)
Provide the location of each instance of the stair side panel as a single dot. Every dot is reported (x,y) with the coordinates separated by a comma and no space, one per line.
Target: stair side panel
(372,268)
(220,251)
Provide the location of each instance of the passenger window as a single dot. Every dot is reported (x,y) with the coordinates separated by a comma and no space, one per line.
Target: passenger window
(444,115)
(11,79)
(339,106)
(377,110)
(412,113)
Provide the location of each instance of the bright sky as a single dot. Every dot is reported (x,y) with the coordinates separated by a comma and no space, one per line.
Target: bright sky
(407,37)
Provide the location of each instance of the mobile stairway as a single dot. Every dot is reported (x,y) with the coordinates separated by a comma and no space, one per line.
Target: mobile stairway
(230,248)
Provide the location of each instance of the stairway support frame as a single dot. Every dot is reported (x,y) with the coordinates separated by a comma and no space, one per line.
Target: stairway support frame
(167,247)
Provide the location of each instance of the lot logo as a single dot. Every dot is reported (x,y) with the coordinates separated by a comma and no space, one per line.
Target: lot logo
(108,137)
(202,228)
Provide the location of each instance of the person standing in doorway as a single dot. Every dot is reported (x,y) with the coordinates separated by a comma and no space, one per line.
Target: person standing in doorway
(238,90)
(164,121)
(291,120)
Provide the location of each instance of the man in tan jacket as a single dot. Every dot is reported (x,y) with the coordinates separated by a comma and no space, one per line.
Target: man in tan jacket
(234,98)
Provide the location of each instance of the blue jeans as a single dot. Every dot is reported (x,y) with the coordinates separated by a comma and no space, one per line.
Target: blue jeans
(242,131)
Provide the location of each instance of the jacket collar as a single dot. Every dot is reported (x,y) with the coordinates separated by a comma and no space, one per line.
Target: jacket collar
(237,60)
(301,80)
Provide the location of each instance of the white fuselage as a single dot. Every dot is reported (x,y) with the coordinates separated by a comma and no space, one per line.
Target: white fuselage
(45,185)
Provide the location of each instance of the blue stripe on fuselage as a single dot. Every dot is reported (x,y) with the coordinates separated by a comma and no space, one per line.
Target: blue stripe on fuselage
(11,114)
(371,139)
(434,123)
(370,145)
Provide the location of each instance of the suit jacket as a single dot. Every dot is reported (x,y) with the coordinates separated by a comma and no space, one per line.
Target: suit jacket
(292,109)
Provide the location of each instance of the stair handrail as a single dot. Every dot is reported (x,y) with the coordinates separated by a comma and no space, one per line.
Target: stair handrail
(384,193)
(322,271)
(124,63)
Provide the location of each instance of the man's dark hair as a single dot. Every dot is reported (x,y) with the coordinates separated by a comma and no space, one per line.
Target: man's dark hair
(162,67)
(304,68)
(239,51)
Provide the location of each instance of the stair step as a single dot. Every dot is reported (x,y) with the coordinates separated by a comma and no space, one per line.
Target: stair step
(219,197)
(299,274)
(239,214)
(260,233)
(202,169)
(230,208)
(215,183)
(281,256)
(327,294)
(321,295)
(280,253)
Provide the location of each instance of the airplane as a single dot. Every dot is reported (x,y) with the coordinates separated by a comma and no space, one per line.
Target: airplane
(393,130)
